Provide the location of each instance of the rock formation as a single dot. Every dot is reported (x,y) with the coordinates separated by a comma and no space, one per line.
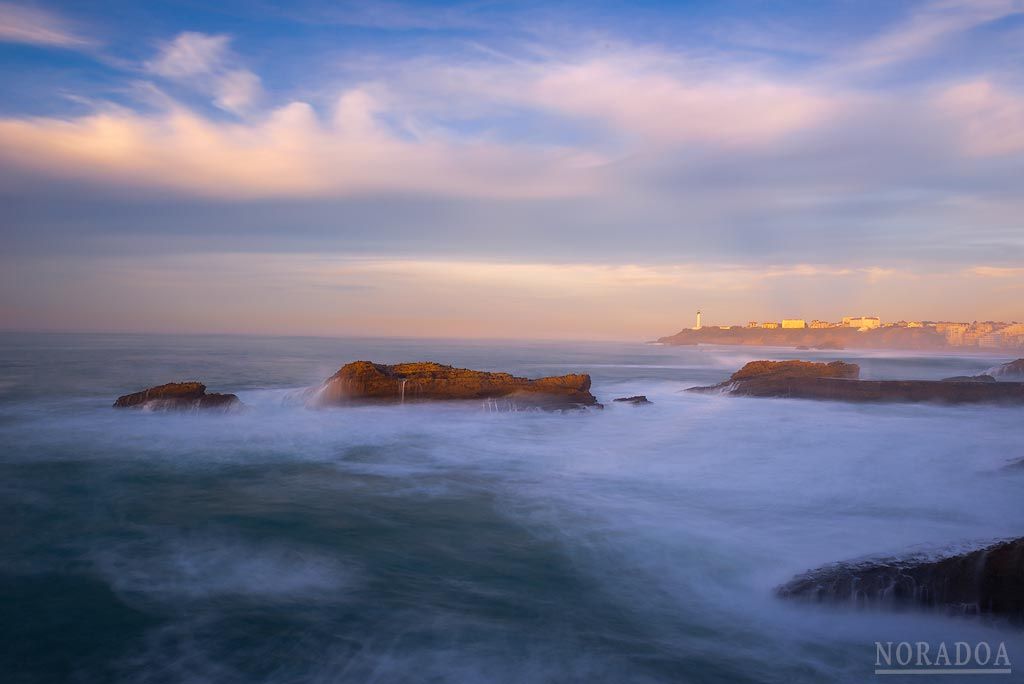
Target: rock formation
(364,382)
(990,580)
(638,400)
(838,381)
(177,396)
(1013,371)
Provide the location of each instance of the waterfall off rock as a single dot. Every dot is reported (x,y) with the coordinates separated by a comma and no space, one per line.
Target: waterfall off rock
(366,382)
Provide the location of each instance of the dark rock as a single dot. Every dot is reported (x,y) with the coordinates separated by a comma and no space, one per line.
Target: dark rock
(1014,370)
(363,381)
(638,400)
(970,378)
(177,396)
(838,381)
(989,580)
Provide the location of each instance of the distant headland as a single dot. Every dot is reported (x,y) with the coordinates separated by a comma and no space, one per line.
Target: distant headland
(857,332)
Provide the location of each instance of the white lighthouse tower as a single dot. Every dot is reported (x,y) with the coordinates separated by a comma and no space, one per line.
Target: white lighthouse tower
(698,326)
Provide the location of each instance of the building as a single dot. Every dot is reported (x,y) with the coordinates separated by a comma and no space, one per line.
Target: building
(769,325)
(820,324)
(751,324)
(1013,335)
(991,340)
(861,322)
(698,326)
(953,332)
(794,323)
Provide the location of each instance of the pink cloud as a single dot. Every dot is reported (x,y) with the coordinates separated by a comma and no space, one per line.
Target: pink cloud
(289,152)
(991,119)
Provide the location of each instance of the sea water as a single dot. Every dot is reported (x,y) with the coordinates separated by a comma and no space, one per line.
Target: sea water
(446,543)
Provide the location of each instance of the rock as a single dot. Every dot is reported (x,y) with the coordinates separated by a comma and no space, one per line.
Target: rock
(638,400)
(787,370)
(838,381)
(177,396)
(363,382)
(970,378)
(1014,370)
(989,580)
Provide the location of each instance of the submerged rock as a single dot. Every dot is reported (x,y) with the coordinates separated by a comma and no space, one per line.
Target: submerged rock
(1014,370)
(177,396)
(970,378)
(838,381)
(638,400)
(989,580)
(363,381)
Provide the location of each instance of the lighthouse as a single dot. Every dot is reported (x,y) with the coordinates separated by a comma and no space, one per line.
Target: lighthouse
(697,327)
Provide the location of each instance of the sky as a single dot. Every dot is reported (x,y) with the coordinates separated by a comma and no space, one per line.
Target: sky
(590,170)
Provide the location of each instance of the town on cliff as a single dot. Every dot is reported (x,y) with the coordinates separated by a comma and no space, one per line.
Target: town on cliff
(857,332)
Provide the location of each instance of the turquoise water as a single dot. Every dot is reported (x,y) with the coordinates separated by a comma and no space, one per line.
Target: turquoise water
(442,543)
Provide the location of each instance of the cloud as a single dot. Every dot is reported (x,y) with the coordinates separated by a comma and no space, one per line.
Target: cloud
(237,90)
(996,272)
(661,105)
(926,29)
(19,24)
(990,118)
(639,95)
(191,54)
(206,63)
(287,153)
(590,278)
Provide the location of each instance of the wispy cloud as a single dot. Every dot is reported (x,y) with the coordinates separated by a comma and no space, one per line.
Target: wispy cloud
(669,102)
(206,63)
(926,28)
(34,26)
(996,272)
(990,118)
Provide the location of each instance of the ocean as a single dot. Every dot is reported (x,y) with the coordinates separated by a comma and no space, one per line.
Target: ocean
(444,543)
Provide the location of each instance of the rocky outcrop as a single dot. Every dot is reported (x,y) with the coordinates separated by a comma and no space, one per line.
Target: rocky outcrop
(838,381)
(638,400)
(1012,371)
(177,396)
(970,378)
(989,580)
(762,371)
(366,382)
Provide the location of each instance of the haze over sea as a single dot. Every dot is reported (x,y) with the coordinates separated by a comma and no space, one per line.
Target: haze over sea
(439,542)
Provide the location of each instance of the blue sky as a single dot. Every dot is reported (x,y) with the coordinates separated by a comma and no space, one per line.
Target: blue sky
(488,169)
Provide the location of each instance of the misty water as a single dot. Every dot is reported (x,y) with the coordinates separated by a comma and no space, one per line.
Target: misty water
(444,543)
